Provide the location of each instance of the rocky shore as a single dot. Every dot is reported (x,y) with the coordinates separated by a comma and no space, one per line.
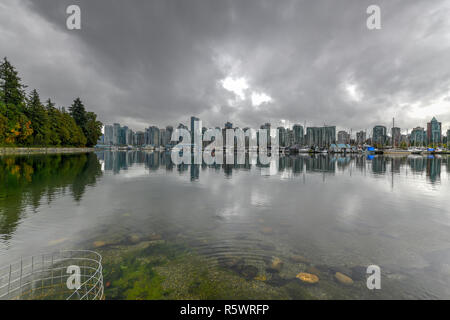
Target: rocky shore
(12,151)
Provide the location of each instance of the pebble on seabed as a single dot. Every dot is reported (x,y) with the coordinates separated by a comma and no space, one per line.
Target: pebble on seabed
(307,277)
(342,278)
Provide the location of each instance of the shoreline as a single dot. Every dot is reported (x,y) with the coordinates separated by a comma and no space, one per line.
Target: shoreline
(50,150)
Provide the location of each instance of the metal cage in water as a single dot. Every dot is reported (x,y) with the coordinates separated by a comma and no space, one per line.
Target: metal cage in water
(45,277)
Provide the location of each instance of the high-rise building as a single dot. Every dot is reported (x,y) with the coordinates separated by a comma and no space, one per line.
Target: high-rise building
(266,126)
(396,136)
(139,138)
(379,135)
(116,134)
(129,136)
(361,137)
(298,134)
(152,136)
(109,135)
(162,137)
(343,137)
(418,137)
(320,136)
(168,136)
(290,137)
(434,131)
(282,136)
(448,138)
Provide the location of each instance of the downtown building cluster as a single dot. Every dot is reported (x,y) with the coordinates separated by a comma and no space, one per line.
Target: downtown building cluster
(296,136)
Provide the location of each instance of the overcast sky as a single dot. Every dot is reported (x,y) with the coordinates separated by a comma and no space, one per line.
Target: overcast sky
(158,62)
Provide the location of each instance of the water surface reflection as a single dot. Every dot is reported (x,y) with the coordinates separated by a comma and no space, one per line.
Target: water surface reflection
(339,213)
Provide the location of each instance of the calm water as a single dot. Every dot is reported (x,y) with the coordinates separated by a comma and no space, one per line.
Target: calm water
(215,231)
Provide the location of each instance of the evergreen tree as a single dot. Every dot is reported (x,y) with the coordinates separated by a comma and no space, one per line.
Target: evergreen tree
(26,121)
(14,125)
(93,129)
(87,121)
(39,120)
(12,89)
(78,113)
(54,123)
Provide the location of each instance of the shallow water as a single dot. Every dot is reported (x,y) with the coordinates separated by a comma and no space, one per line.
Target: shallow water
(215,231)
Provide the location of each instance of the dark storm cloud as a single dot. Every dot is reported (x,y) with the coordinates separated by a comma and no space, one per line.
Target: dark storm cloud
(158,62)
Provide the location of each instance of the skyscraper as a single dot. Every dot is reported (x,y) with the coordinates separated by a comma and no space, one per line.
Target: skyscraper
(321,137)
(434,131)
(418,137)
(396,136)
(109,135)
(116,133)
(379,135)
(298,134)
(343,137)
(361,137)
(282,136)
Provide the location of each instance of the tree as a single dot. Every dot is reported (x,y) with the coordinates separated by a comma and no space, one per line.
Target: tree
(78,113)
(54,123)
(93,129)
(38,116)
(26,121)
(87,121)
(12,89)
(17,128)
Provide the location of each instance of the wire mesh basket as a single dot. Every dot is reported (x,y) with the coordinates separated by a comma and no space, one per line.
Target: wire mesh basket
(67,274)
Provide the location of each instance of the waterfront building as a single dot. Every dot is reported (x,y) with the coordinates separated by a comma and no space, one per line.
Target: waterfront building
(152,136)
(116,134)
(282,136)
(361,137)
(298,134)
(343,137)
(434,131)
(396,136)
(139,138)
(108,140)
(379,135)
(129,136)
(321,137)
(418,137)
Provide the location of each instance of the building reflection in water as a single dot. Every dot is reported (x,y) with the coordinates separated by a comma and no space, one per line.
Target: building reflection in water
(116,161)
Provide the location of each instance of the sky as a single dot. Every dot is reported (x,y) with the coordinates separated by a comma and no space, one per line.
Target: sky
(158,62)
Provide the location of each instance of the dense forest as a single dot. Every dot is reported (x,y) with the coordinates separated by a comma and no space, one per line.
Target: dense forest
(25,121)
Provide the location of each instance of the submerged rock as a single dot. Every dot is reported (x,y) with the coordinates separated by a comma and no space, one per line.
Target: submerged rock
(342,278)
(276,264)
(307,277)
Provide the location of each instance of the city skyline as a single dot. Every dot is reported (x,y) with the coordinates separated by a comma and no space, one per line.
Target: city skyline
(296,134)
